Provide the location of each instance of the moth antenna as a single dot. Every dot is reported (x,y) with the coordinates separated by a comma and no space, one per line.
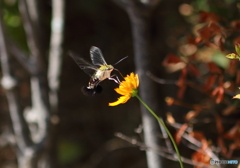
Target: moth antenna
(120,60)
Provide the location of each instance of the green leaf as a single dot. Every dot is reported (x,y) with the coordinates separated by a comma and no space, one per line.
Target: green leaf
(220,59)
(237,48)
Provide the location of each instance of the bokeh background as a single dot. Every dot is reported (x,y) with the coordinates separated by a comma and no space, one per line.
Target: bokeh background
(84,137)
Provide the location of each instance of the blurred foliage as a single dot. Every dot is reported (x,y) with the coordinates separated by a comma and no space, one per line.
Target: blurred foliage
(13,22)
(220,59)
(69,151)
(88,122)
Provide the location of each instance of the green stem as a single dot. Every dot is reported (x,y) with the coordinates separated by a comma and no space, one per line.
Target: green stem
(164,126)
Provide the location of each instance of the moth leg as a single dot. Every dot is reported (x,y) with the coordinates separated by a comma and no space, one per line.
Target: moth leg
(115,80)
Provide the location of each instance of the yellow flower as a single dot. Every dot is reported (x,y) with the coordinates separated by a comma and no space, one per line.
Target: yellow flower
(127,88)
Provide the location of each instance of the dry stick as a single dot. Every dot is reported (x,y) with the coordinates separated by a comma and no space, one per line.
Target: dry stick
(39,85)
(139,14)
(196,144)
(20,56)
(189,83)
(9,83)
(164,152)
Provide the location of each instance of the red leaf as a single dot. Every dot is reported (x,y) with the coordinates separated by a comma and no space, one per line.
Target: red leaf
(222,146)
(237,40)
(238,77)
(209,31)
(219,124)
(234,132)
(198,135)
(208,17)
(200,157)
(193,70)
(171,59)
(235,24)
(229,110)
(210,81)
(182,83)
(213,68)
(219,94)
(180,132)
(232,67)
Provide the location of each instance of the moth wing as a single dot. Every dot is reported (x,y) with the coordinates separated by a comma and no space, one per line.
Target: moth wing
(97,56)
(83,64)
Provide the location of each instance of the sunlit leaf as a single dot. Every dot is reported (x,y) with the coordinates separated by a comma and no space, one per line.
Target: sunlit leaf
(233,56)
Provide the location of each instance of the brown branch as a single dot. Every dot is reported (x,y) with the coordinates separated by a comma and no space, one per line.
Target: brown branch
(21,56)
(159,151)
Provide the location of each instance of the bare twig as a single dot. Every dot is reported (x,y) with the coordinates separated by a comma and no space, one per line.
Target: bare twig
(9,83)
(159,151)
(189,83)
(21,56)
(32,38)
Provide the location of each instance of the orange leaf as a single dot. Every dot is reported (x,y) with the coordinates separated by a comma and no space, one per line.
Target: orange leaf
(222,146)
(198,135)
(235,24)
(180,132)
(234,132)
(237,40)
(171,59)
(232,66)
(213,68)
(219,94)
(193,70)
(229,110)
(219,124)
(208,17)
(210,81)
(238,77)
(182,83)
(192,114)
(200,157)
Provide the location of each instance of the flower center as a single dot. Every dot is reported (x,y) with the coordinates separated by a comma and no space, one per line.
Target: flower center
(134,92)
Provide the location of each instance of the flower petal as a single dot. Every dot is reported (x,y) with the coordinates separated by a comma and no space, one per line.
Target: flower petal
(122,91)
(121,100)
(127,88)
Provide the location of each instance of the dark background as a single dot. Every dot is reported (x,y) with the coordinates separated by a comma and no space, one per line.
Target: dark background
(85,133)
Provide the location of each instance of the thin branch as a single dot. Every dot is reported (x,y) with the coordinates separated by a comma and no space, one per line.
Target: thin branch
(166,138)
(196,144)
(158,150)
(21,56)
(189,83)
(32,38)
(9,83)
